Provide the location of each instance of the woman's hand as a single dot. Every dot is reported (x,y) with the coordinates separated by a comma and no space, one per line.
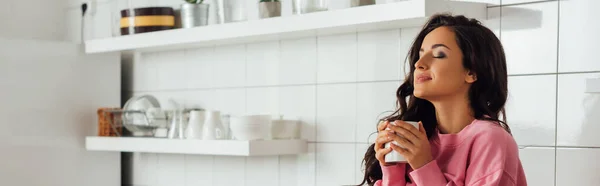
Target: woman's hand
(382,139)
(417,149)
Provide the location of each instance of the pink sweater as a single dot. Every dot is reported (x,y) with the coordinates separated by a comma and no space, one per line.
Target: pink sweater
(482,154)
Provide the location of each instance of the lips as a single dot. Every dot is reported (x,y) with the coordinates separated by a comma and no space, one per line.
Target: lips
(422,78)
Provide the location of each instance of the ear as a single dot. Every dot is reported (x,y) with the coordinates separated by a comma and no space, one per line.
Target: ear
(471,77)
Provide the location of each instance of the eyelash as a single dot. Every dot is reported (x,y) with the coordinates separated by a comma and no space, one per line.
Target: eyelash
(440,55)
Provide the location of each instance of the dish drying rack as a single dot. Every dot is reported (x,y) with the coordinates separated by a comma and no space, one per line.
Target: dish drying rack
(118,122)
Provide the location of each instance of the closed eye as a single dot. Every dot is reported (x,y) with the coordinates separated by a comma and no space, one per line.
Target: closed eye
(440,55)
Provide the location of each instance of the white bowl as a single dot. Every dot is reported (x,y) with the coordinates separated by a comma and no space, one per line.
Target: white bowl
(252,127)
(285,129)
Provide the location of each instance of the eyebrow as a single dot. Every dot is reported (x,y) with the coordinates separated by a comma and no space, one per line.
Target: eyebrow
(437,45)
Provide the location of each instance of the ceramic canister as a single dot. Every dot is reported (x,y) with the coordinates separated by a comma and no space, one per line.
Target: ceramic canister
(148,19)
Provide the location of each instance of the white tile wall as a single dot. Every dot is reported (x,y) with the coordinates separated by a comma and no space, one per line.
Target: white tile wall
(198,170)
(335,164)
(262,171)
(577,112)
(169,169)
(337,58)
(336,113)
(378,56)
(263,63)
(577,33)
(538,163)
(298,170)
(336,85)
(531,109)
(529,35)
(374,101)
(577,166)
(229,171)
(298,63)
(359,173)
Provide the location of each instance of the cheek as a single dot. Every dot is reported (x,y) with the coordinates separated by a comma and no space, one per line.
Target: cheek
(449,74)
(447,79)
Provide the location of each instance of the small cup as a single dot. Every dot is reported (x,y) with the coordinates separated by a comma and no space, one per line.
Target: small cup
(395,157)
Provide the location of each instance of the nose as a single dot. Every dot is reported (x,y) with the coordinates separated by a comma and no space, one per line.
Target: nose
(420,64)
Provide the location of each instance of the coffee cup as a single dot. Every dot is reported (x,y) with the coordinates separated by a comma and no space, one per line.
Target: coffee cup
(395,157)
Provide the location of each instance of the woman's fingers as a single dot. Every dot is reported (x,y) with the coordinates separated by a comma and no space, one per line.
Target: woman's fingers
(380,154)
(414,130)
(382,125)
(402,142)
(383,139)
(401,131)
(402,151)
(380,150)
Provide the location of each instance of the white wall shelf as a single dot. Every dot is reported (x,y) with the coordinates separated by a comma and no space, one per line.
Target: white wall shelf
(200,147)
(592,85)
(401,14)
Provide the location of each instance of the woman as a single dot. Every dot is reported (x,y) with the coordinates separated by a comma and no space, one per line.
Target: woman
(457,90)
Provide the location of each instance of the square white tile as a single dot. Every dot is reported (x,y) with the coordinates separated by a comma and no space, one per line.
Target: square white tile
(204,99)
(578,32)
(229,170)
(531,109)
(230,101)
(298,170)
(576,166)
(148,77)
(144,168)
(378,56)
(298,63)
(374,101)
(538,164)
(359,172)
(230,66)
(198,170)
(168,99)
(335,164)
(199,68)
(171,169)
(337,58)
(262,101)
(262,171)
(528,33)
(139,69)
(300,102)
(578,116)
(171,70)
(336,113)
(262,63)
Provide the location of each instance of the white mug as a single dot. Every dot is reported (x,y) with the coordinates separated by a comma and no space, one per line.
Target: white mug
(395,157)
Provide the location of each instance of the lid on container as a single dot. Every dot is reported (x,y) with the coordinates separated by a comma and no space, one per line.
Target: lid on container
(148,11)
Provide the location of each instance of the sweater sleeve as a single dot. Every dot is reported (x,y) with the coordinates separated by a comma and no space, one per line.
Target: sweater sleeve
(393,175)
(493,162)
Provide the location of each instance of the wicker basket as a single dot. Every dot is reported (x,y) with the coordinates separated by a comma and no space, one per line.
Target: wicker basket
(106,125)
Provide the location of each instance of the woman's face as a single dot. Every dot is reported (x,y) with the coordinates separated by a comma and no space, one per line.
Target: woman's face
(439,72)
